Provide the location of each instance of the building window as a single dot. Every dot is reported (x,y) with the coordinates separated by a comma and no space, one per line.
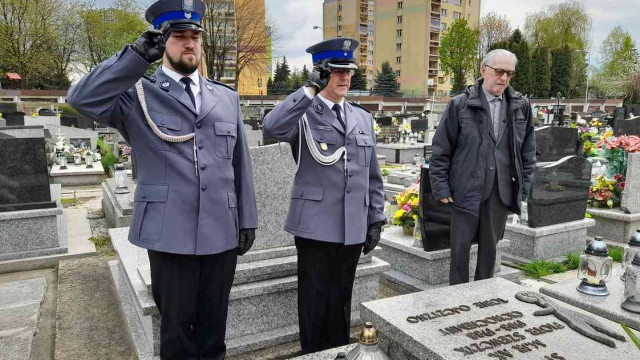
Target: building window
(445,1)
(443,26)
(400,19)
(443,12)
(457,15)
(457,2)
(398,73)
(469,2)
(369,72)
(370,52)
(398,46)
(468,16)
(440,66)
(369,62)
(451,81)
(399,4)
(399,32)
(370,42)
(339,7)
(339,27)
(398,59)
(339,17)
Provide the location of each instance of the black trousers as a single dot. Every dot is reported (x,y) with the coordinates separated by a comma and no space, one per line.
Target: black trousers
(192,295)
(326,272)
(487,228)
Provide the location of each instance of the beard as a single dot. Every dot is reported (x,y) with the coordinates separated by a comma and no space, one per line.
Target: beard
(182,66)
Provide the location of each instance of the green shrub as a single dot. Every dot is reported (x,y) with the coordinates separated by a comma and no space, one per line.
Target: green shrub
(572,262)
(108,159)
(102,146)
(67,109)
(539,268)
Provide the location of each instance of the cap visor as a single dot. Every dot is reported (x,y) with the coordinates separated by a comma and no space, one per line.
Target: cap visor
(343,66)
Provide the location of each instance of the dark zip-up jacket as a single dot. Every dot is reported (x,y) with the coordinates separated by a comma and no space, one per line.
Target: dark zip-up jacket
(462,145)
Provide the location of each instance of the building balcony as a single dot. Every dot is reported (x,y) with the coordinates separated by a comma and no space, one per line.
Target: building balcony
(433,72)
(435,29)
(436,2)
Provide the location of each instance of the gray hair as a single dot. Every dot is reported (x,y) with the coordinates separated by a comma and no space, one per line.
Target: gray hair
(497,52)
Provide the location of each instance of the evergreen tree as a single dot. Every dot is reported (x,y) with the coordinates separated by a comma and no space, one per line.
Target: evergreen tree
(386,82)
(281,81)
(305,73)
(504,44)
(541,67)
(578,76)
(522,82)
(269,86)
(358,81)
(560,71)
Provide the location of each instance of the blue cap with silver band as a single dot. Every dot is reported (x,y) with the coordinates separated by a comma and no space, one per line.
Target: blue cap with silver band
(180,14)
(338,52)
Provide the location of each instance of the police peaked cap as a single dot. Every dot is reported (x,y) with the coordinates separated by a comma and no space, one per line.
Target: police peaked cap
(181,14)
(338,51)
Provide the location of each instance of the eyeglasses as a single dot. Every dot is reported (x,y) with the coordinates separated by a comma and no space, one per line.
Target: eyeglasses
(501,72)
(342,71)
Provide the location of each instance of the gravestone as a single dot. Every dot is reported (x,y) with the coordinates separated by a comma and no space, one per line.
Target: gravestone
(436,216)
(620,113)
(484,320)
(80,142)
(265,139)
(46,112)
(31,220)
(610,121)
(254,137)
(418,125)
(554,143)
(633,109)
(8,107)
(3,122)
(24,181)
(628,126)
(559,192)
(69,120)
(254,123)
(384,121)
(630,201)
(14,119)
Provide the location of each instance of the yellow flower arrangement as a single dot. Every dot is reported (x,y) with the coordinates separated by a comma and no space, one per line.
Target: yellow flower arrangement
(408,206)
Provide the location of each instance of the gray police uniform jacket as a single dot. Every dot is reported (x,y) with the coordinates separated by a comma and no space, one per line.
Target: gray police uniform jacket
(176,211)
(325,204)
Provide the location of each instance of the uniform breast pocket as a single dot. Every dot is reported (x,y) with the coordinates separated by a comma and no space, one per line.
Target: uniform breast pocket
(324,137)
(168,124)
(148,212)
(365,146)
(225,138)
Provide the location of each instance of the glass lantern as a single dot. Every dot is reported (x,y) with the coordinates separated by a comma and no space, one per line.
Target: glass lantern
(120,176)
(595,268)
(63,162)
(367,348)
(77,159)
(630,250)
(632,285)
(417,234)
(89,161)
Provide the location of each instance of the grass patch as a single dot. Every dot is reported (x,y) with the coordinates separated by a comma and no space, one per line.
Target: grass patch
(572,262)
(69,202)
(103,245)
(631,335)
(539,268)
(616,253)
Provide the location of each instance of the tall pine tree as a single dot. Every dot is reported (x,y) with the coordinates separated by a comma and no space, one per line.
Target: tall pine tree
(386,82)
(305,73)
(560,71)
(522,82)
(541,67)
(358,81)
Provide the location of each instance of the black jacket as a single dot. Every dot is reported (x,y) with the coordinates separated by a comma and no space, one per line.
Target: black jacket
(462,145)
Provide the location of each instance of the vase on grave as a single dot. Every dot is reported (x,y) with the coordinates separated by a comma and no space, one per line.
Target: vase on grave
(407,230)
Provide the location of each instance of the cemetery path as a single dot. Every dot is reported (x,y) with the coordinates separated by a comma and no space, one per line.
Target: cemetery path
(89,321)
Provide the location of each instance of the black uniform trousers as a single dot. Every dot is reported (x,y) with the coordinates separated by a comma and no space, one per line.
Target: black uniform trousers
(487,228)
(326,272)
(192,295)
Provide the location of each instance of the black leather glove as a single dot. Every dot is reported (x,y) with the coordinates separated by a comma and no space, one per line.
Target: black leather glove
(151,44)
(245,240)
(319,77)
(373,236)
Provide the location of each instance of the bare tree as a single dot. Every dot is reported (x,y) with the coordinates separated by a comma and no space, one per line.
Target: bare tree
(252,38)
(493,28)
(65,39)
(219,36)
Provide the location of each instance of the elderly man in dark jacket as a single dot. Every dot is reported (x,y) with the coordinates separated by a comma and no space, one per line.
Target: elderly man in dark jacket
(483,162)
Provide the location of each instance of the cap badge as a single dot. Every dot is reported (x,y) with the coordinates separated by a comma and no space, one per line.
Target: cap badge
(346,45)
(188,7)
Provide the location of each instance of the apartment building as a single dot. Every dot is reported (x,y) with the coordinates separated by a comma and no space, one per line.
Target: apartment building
(408,36)
(353,19)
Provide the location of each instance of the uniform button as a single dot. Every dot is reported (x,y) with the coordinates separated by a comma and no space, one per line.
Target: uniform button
(348,191)
(144,196)
(480,121)
(302,194)
(504,121)
(162,122)
(491,168)
(199,146)
(513,179)
(348,159)
(350,175)
(228,131)
(321,137)
(348,143)
(203,167)
(365,142)
(203,187)
(198,125)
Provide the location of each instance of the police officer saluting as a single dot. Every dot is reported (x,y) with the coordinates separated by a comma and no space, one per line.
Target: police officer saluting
(195,205)
(337,200)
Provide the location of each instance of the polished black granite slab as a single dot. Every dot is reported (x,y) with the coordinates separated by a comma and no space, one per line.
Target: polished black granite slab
(559,192)
(435,216)
(628,127)
(24,178)
(553,143)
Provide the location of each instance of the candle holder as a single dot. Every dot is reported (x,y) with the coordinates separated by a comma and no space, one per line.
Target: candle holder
(632,286)
(595,268)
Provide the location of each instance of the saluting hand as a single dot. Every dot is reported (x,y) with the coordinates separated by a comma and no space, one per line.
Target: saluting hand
(151,44)
(319,77)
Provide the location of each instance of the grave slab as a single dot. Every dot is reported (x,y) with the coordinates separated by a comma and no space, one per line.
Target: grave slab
(117,208)
(630,202)
(613,224)
(400,153)
(551,242)
(605,306)
(482,320)
(77,175)
(19,315)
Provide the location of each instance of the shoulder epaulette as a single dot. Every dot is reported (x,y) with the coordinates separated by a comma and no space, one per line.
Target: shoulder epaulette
(150,78)
(221,83)
(360,106)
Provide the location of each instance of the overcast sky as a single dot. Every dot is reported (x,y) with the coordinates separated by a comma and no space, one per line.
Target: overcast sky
(294,21)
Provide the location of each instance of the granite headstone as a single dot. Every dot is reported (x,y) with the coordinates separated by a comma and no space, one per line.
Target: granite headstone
(559,191)
(435,216)
(8,107)
(46,112)
(418,125)
(554,143)
(24,178)
(14,119)
(628,127)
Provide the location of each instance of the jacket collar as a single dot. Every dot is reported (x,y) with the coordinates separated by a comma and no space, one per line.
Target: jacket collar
(175,90)
(512,97)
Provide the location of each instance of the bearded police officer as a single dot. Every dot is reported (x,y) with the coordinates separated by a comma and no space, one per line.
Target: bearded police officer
(195,205)
(337,200)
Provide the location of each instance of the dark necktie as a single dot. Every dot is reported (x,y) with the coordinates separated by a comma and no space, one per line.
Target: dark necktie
(336,108)
(187,87)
